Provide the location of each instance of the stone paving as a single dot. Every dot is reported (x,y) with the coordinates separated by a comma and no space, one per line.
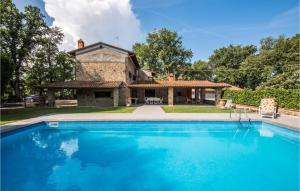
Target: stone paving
(155,113)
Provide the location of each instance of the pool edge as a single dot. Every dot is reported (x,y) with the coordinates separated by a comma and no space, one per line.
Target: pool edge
(9,128)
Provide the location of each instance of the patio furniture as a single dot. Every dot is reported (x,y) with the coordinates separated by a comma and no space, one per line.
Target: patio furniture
(153,100)
(147,101)
(161,100)
(268,108)
(188,100)
(228,104)
(134,100)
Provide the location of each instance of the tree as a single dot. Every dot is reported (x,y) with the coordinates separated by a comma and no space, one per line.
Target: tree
(267,43)
(226,62)
(47,64)
(6,72)
(199,70)
(276,65)
(20,33)
(163,53)
(284,59)
(253,72)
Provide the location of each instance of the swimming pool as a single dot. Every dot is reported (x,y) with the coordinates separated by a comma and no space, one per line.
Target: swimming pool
(150,156)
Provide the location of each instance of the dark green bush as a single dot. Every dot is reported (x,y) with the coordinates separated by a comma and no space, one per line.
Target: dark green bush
(289,99)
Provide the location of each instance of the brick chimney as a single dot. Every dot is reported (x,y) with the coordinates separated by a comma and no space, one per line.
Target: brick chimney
(171,77)
(80,43)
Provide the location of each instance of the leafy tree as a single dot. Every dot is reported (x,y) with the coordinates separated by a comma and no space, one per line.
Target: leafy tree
(227,60)
(163,53)
(199,70)
(6,72)
(285,59)
(276,65)
(267,43)
(20,32)
(47,64)
(253,72)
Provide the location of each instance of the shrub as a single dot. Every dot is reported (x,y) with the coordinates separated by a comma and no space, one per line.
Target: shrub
(289,99)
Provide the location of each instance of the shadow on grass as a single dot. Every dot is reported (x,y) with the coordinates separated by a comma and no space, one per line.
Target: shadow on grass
(11,115)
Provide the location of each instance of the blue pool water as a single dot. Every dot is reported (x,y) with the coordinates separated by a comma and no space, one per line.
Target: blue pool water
(133,156)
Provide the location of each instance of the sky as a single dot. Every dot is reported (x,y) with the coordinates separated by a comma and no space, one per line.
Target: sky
(205,25)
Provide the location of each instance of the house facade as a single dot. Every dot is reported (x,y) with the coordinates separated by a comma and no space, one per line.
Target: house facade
(107,75)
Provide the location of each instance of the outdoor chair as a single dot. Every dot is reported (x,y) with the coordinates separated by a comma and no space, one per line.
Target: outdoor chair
(161,100)
(268,108)
(229,104)
(188,100)
(147,100)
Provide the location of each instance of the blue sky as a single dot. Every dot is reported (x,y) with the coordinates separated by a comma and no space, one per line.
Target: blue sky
(205,25)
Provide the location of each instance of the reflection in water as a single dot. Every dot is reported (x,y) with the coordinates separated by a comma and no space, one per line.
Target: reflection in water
(37,139)
(71,175)
(149,156)
(69,147)
(265,133)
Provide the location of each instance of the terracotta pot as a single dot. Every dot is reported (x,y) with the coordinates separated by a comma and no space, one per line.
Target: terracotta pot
(222,102)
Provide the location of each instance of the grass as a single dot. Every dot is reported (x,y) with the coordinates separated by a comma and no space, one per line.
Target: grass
(193,109)
(11,115)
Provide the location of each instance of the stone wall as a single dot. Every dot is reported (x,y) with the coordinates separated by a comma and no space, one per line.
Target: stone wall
(130,67)
(103,65)
(86,97)
(100,71)
(124,94)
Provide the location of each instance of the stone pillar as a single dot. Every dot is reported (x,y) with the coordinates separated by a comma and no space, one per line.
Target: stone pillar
(202,95)
(217,95)
(116,97)
(51,98)
(170,96)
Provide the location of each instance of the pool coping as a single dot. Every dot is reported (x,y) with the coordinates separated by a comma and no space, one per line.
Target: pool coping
(9,128)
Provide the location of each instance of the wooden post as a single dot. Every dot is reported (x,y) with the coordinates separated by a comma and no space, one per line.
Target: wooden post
(217,95)
(202,95)
(170,96)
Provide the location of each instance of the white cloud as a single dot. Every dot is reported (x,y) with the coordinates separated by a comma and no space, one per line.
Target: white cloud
(94,21)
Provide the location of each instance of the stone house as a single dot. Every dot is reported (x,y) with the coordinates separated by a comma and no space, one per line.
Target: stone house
(107,75)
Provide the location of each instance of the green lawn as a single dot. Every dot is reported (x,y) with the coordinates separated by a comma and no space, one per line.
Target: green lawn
(194,109)
(11,115)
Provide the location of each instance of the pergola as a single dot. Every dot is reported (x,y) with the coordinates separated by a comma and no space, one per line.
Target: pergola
(171,86)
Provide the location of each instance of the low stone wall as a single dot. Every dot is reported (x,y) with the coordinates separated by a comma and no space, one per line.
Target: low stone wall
(66,103)
(280,110)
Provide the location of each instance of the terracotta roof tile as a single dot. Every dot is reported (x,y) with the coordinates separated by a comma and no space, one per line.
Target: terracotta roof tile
(178,83)
(84,84)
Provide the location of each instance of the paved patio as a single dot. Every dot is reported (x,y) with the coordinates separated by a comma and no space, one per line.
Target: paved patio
(155,113)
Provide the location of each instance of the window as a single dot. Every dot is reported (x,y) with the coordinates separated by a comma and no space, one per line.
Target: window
(102,94)
(179,94)
(134,77)
(130,75)
(150,93)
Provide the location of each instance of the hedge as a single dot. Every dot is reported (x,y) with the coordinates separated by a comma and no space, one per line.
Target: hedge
(289,99)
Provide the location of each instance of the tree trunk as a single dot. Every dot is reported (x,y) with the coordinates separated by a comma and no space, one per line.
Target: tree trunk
(17,87)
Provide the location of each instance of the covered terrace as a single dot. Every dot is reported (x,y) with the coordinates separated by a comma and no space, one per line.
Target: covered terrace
(177,92)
